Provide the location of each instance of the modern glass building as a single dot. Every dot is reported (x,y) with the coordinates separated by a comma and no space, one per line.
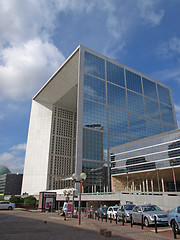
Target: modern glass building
(89,105)
(149,164)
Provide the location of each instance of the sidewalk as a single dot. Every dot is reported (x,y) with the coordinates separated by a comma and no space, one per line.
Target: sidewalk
(27,225)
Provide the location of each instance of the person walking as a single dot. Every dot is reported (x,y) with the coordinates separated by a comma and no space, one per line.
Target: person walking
(65,209)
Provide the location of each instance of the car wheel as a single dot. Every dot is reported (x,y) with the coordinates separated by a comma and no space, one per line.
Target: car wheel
(146,222)
(176,226)
(10,208)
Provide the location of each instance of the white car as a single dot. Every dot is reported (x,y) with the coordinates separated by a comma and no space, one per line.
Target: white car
(7,205)
(111,212)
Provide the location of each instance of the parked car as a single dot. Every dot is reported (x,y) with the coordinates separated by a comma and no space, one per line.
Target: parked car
(101,212)
(111,212)
(149,211)
(7,205)
(125,209)
(174,216)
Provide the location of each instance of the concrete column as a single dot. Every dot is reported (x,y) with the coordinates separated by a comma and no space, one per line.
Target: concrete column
(133,185)
(92,189)
(152,188)
(147,185)
(143,186)
(140,187)
(162,182)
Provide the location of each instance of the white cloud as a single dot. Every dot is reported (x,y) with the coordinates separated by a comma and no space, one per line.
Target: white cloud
(14,159)
(26,67)
(170,48)
(149,12)
(2,116)
(19,147)
(13,162)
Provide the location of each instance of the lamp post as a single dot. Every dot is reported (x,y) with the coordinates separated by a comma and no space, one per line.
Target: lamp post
(171,161)
(79,179)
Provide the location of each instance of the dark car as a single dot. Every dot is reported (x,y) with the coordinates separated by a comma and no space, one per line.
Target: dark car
(125,210)
(101,212)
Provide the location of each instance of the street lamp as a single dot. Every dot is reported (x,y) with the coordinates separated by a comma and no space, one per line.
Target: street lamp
(171,162)
(79,179)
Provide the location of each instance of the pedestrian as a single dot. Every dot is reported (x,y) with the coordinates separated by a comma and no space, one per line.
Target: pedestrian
(65,209)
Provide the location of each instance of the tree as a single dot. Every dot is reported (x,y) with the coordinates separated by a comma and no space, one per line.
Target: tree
(30,201)
(16,199)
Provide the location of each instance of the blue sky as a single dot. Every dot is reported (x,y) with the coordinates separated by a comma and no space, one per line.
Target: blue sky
(37,36)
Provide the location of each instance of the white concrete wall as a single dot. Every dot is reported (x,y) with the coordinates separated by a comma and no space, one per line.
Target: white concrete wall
(37,151)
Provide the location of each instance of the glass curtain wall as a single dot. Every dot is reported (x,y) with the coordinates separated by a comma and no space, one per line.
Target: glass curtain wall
(119,106)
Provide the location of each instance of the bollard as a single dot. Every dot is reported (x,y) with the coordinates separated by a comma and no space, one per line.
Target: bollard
(155,222)
(95,216)
(142,222)
(101,217)
(116,218)
(131,220)
(110,218)
(98,217)
(174,229)
(107,234)
(106,217)
(102,230)
(123,219)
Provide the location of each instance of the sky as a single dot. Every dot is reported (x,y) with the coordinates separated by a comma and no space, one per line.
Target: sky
(36,36)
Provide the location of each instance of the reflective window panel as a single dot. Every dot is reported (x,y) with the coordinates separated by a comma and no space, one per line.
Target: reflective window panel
(96,176)
(149,88)
(167,128)
(133,82)
(94,89)
(137,127)
(167,114)
(115,74)
(135,103)
(115,140)
(94,144)
(94,114)
(152,109)
(116,96)
(154,128)
(164,95)
(94,65)
(118,121)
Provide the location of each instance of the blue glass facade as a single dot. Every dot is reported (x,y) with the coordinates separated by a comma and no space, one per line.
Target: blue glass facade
(125,106)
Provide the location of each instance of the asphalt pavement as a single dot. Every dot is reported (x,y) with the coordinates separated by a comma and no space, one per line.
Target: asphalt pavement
(31,225)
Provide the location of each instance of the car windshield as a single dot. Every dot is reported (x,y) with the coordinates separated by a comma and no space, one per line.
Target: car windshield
(150,208)
(129,207)
(115,209)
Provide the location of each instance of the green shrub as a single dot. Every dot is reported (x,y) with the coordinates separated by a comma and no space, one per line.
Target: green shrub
(16,199)
(30,201)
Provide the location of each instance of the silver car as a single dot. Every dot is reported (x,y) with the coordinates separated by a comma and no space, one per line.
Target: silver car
(174,216)
(7,205)
(149,212)
(125,210)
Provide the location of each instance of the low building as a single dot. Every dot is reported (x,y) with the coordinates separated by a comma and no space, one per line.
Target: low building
(147,165)
(10,184)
